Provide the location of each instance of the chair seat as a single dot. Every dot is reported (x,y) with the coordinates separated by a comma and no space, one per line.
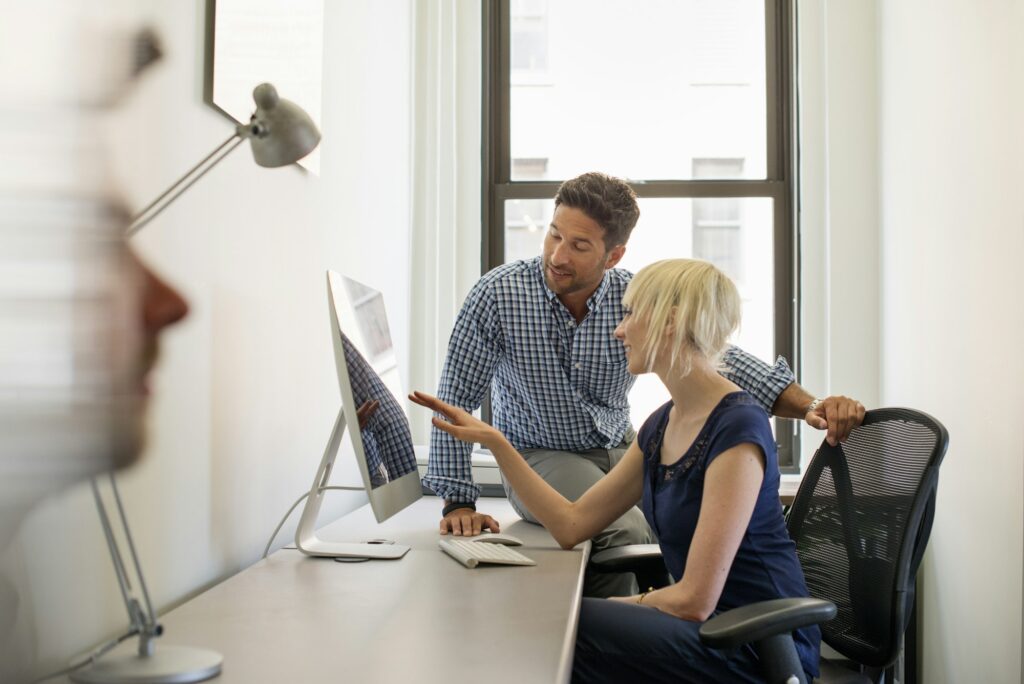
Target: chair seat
(834,673)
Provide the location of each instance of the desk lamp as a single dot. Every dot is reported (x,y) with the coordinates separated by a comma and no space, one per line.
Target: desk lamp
(280,133)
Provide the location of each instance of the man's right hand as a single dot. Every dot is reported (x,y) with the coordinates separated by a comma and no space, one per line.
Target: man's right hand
(466,522)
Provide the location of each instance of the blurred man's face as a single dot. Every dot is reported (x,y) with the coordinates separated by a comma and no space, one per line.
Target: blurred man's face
(161,306)
(81,318)
(148,308)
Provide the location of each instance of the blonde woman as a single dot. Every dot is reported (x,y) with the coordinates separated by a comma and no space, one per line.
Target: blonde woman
(704,469)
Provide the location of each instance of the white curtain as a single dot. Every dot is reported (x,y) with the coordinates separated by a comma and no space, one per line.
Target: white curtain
(446,134)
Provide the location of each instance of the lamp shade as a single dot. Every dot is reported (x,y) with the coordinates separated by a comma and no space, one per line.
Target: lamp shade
(280,131)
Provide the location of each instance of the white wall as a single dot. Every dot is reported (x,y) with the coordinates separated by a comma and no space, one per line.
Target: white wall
(912,161)
(952,170)
(245,392)
(839,229)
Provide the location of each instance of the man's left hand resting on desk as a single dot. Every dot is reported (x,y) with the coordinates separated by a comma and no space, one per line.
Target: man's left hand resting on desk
(465,521)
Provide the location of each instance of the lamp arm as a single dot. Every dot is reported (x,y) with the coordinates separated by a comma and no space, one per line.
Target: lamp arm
(131,547)
(115,554)
(143,622)
(175,191)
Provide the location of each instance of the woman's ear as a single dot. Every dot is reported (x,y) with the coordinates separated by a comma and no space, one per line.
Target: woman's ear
(670,320)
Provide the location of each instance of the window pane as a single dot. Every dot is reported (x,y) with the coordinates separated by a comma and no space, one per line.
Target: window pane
(739,242)
(741,246)
(639,89)
(668,228)
(526,221)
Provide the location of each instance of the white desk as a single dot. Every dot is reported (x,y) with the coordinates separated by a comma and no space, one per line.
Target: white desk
(423,618)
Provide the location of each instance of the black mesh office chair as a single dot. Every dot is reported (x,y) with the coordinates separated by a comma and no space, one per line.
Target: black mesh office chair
(861,521)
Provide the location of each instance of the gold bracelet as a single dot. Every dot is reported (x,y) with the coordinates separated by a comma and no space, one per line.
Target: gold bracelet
(641,599)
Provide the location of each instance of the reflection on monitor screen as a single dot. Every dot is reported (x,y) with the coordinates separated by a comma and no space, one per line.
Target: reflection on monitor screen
(371,394)
(371,322)
(383,426)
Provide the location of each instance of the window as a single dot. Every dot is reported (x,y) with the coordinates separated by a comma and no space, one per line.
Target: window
(529,44)
(526,220)
(718,221)
(690,100)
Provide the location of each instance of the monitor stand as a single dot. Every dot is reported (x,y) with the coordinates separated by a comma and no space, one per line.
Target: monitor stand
(305,535)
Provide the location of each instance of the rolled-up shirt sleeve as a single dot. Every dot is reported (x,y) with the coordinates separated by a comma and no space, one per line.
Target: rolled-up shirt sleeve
(764,382)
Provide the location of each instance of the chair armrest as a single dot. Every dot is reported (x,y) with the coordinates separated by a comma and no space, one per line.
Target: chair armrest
(749,624)
(625,557)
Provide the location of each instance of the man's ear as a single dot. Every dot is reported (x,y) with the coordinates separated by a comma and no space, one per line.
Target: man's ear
(615,255)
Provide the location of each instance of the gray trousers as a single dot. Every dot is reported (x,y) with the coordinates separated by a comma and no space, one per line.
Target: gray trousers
(571,474)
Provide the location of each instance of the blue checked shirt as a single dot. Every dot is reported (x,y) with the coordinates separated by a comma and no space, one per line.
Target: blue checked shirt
(555,383)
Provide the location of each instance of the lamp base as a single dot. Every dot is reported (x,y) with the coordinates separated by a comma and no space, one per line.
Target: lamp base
(167,665)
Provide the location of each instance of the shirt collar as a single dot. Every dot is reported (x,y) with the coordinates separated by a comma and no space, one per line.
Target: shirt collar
(598,296)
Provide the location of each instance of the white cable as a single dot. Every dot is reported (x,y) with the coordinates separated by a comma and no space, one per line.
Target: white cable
(297,502)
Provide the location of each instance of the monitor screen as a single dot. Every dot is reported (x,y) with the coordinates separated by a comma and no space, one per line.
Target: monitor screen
(387,442)
(372,395)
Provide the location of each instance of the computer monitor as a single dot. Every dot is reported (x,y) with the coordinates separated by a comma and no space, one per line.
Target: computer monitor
(373,411)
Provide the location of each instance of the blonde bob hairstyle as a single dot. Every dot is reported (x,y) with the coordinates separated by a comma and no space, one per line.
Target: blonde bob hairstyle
(687,303)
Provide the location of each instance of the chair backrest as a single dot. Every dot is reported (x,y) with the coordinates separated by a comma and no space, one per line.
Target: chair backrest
(861,520)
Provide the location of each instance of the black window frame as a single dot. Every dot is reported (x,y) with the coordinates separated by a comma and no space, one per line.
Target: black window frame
(781,182)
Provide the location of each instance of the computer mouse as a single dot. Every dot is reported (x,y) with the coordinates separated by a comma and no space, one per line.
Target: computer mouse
(499,538)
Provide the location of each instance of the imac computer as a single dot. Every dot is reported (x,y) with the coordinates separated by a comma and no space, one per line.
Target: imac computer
(373,412)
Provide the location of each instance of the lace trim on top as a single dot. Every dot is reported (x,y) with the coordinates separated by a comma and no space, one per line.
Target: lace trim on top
(696,451)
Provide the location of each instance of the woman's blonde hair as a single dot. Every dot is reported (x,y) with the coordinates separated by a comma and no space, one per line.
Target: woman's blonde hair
(690,300)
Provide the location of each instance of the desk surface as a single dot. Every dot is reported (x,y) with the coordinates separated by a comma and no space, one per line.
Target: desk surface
(423,618)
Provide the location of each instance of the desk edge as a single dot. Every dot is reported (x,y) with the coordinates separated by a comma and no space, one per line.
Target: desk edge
(569,645)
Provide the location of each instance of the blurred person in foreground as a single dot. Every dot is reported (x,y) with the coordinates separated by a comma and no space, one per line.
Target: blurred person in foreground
(75,374)
(80,314)
(74,394)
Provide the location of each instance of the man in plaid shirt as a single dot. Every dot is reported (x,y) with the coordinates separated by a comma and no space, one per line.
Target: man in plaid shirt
(538,334)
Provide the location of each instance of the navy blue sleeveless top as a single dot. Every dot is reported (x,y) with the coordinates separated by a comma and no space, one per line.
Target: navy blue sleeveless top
(766,566)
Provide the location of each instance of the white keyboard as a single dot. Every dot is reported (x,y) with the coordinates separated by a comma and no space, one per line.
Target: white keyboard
(471,553)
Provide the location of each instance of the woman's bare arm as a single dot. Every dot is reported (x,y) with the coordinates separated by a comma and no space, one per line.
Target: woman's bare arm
(568,522)
(573,522)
